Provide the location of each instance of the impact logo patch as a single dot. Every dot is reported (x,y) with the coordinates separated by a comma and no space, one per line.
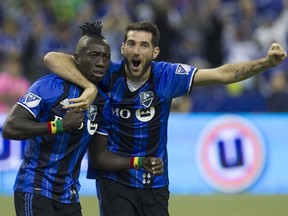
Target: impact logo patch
(146,98)
(145,115)
(92,112)
(183,69)
(230,154)
(31,100)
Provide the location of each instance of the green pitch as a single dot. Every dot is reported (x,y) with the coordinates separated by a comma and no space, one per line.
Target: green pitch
(229,205)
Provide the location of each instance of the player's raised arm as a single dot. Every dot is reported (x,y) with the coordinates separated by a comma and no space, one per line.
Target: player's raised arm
(64,65)
(230,73)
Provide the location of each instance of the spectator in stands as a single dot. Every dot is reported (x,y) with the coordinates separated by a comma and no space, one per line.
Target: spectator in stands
(12,84)
(277,100)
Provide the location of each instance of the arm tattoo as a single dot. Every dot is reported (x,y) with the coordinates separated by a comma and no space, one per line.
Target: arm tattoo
(249,71)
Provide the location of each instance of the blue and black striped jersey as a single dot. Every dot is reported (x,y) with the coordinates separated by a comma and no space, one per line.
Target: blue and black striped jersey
(140,118)
(51,164)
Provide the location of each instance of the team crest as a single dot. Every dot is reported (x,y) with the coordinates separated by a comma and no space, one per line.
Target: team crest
(183,69)
(31,100)
(146,98)
(92,112)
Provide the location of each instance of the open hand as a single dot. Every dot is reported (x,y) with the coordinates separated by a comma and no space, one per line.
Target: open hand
(84,101)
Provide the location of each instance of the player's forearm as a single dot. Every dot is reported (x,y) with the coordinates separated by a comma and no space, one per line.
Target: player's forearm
(236,72)
(103,159)
(230,73)
(64,66)
(244,70)
(114,162)
(110,161)
(19,130)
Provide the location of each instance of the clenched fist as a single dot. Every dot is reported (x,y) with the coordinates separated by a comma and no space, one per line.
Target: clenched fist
(153,165)
(73,119)
(276,54)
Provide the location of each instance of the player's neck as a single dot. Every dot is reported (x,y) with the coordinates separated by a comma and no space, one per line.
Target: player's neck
(134,86)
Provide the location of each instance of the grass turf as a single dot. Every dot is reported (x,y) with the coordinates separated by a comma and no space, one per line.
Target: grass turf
(224,205)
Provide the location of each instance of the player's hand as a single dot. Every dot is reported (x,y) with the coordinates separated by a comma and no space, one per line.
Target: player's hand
(84,101)
(276,54)
(73,119)
(153,165)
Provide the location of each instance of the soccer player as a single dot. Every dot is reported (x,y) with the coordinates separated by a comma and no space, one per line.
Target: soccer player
(47,182)
(141,91)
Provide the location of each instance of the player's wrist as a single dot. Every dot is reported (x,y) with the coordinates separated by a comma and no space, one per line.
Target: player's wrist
(90,85)
(136,162)
(55,127)
(266,63)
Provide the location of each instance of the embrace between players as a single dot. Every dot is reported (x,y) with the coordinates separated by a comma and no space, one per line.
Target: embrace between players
(122,122)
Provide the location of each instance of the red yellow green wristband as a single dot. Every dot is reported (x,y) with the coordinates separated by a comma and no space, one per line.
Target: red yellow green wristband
(55,127)
(59,126)
(136,162)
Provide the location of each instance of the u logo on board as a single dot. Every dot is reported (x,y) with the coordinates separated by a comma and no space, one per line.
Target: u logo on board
(230,154)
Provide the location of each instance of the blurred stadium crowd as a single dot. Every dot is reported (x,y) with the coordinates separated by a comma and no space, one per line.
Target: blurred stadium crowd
(203,33)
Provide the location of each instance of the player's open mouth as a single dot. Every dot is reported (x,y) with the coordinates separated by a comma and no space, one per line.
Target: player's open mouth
(136,64)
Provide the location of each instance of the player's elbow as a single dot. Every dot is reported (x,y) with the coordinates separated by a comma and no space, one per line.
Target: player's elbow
(9,130)
(49,58)
(5,133)
(96,163)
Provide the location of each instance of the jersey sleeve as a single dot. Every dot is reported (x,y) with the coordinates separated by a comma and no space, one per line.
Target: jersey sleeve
(174,80)
(41,95)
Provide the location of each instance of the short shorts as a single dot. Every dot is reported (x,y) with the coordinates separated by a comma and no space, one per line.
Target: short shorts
(28,204)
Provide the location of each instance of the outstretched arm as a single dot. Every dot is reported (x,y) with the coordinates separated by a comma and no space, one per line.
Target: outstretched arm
(230,73)
(103,159)
(64,66)
(20,124)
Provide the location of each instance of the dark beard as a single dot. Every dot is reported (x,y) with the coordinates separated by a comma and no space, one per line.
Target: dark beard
(145,67)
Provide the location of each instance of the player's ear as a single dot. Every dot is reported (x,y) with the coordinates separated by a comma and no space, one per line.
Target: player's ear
(122,48)
(156,52)
(76,58)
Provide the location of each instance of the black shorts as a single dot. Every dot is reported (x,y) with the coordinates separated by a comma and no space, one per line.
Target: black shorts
(118,199)
(28,204)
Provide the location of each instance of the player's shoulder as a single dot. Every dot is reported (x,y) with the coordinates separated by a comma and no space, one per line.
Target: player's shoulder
(115,66)
(115,70)
(160,67)
(48,85)
(50,79)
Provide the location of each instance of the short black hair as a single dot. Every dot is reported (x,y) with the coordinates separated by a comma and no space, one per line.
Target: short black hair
(146,26)
(92,29)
